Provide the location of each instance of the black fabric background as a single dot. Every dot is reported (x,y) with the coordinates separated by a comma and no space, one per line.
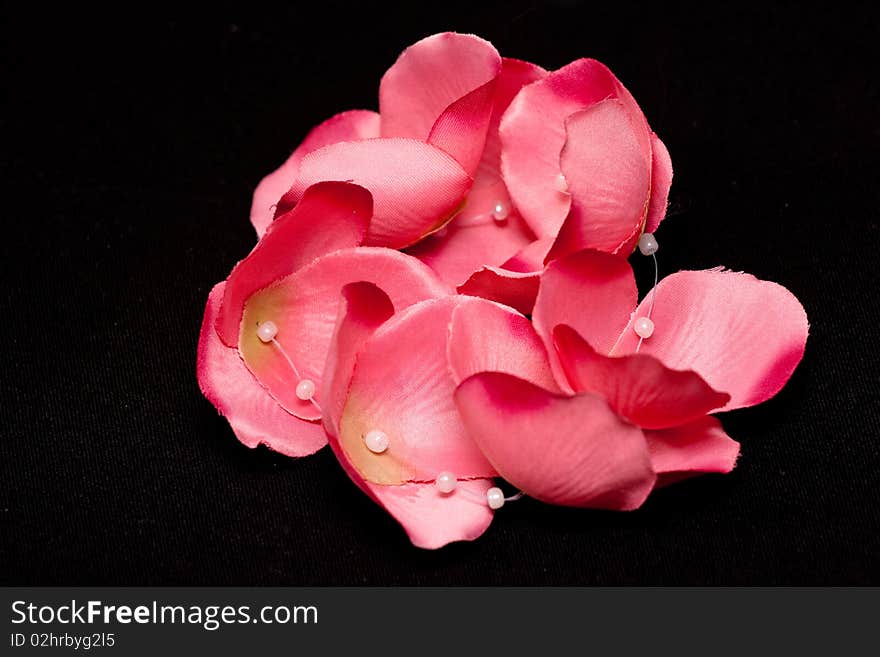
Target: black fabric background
(135,139)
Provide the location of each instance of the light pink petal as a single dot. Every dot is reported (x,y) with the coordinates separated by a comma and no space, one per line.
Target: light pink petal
(464,246)
(441,89)
(701,446)
(487,337)
(533,135)
(416,187)
(572,451)
(432,519)
(304,307)
(402,386)
(591,291)
(508,287)
(609,179)
(346,126)
(638,387)
(661,181)
(364,308)
(329,216)
(743,335)
(254,416)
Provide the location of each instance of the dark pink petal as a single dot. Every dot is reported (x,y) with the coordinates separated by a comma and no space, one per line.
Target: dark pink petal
(461,128)
(638,387)
(572,451)
(254,416)
(304,306)
(416,187)
(441,90)
(743,335)
(473,239)
(515,74)
(701,446)
(591,291)
(364,308)
(402,386)
(329,216)
(347,126)
(487,337)
(531,258)
(609,179)
(533,135)
(661,181)
(508,287)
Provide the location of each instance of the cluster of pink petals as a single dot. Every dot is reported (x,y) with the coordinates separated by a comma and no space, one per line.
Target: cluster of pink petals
(451,271)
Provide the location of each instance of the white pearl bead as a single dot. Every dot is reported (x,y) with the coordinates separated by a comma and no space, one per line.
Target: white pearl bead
(561,182)
(495,498)
(305,389)
(500,212)
(648,244)
(376,441)
(267,331)
(446,482)
(643,327)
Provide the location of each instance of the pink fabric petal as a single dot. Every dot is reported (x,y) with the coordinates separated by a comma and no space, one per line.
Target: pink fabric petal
(432,519)
(507,287)
(515,74)
(416,189)
(591,291)
(743,335)
(328,217)
(441,90)
(473,239)
(533,135)
(661,181)
(609,179)
(638,387)
(364,308)
(254,416)
(402,386)
(572,451)
(487,337)
(346,126)
(531,257)
(461,128)
(695,448)
(304,307)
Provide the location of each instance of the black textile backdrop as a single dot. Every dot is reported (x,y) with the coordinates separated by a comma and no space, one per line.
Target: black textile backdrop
(135,139)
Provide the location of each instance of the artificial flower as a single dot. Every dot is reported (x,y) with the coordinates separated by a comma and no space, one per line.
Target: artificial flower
(617,423)
(292,278)
(512,155)
(440,292)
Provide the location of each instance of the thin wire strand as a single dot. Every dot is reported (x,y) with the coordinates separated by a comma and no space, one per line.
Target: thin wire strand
(482,498)
(295,371)
(653,296)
